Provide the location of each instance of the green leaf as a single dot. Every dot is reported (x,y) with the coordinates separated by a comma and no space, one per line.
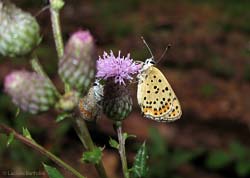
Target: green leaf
(238,150)
(113,143)
(140,168)
(208,90)
(52,172)
(10,139)
(181,157)
(218,159)
(126,136)
(94,156)
(243,168)
(62,116)
(17,112)
(158,144)
(26,133)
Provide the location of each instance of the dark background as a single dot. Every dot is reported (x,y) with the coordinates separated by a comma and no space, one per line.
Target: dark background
(208,66)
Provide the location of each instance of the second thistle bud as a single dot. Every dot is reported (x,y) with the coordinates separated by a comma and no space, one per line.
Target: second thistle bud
(77,67)
(30,91)
(117,102)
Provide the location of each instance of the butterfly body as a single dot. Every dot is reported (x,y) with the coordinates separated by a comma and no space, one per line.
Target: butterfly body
(90,106)
(155,95)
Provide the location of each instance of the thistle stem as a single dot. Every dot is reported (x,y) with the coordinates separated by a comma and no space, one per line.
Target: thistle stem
(40,149)
(56,5)
(122,150)
(80,125)
(83,134)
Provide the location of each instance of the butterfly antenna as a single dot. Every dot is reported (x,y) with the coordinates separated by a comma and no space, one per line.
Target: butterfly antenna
(165,51)
(144,41)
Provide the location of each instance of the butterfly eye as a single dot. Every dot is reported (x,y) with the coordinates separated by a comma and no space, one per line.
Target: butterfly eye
(152,62)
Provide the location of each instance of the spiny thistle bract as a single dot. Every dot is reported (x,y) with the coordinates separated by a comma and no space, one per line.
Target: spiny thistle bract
(30,91)
(117,101)
(19,31)
(77,67)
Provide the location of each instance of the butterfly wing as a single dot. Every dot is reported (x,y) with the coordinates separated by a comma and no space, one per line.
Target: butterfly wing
(175,112)
(156,97)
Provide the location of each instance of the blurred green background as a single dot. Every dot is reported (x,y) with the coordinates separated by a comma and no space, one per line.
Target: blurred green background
(208,66)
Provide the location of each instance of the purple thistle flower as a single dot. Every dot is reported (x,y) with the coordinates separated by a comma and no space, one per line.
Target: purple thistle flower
(119,68)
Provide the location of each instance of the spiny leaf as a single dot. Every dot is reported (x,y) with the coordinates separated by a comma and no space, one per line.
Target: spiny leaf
(26,133)
(126,136)
(94,156)
(113,143)
(140,168)
(52,172)
(17,112)
(10,139)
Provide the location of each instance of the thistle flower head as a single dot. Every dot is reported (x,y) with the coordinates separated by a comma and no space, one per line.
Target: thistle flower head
(19,31)
(12,80)
(80,40)
(83,35)
(120,68)
(117,101)
(77,67)
(30,91)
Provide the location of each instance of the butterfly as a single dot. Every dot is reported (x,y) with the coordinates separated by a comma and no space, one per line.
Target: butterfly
(155,95)
(90,106)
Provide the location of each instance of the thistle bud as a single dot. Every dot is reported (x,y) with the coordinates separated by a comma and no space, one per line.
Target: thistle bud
(68,101)
(30,91)
(19,31)
(77,67)
(117,102)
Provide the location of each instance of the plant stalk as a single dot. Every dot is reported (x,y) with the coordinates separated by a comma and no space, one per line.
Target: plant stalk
(40,149)
(84,135)
(79,123)
(56,27)
(122,150)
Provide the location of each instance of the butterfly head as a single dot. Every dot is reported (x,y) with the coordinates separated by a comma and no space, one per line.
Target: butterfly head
(148,63)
